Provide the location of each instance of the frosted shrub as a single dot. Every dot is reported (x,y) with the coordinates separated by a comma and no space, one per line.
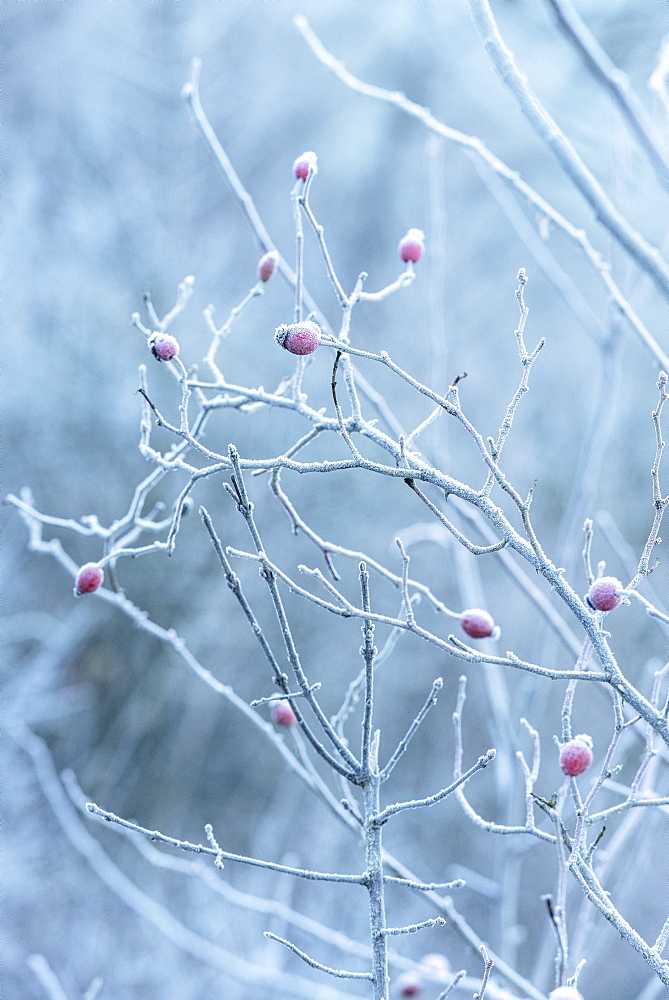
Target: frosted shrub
(488,519)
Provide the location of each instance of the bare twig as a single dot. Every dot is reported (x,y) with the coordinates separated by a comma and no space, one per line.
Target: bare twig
(487,969)
(339,973)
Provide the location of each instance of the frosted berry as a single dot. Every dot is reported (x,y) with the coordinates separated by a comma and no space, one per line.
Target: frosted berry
(435,965)
(412,246)
(565,993)
(163,347)
(576,756)
(282,713)
(89,579)
(476,623)
(267,265)
(602,594)
(303,164)
(299,338)
(410,984)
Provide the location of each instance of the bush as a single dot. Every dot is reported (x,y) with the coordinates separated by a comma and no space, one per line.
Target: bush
(407,500)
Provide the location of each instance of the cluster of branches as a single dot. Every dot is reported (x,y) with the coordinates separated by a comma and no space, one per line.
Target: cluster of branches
(490,519)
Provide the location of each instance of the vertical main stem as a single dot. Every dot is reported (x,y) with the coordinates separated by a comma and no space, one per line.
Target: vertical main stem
(370,781)
(368,651)
(374,865)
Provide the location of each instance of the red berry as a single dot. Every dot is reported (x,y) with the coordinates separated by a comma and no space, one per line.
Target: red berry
(89,579)
(267,265)
(412,246)
(565,993)
(410,984)
(163,347)
(299,338)
(282,713)
(305,163)
(476,623)
(576,756)
(602,594)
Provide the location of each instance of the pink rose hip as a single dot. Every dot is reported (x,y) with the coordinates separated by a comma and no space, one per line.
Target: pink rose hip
(477,623)
(602,594)
(299,338)
(267,265)
(412,246)
(89,579)
(163,347)
(576,755)
(282,713)
(303,164)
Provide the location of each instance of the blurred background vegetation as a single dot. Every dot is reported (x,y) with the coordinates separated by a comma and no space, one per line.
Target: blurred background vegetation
(109,192)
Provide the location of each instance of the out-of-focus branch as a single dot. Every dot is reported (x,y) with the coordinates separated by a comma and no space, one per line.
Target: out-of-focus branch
(616,82)
(648,258)
(47,977)
(660,77)
(191,95)
(180,935)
